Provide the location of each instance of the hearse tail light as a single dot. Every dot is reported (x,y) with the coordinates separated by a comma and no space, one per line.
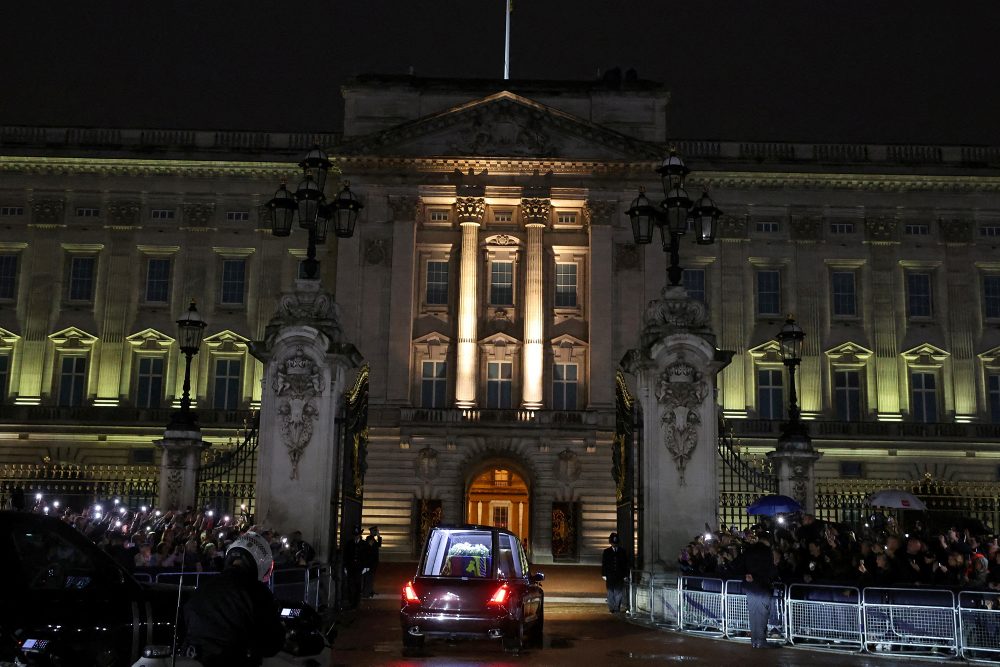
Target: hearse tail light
(500,597)
(409,594)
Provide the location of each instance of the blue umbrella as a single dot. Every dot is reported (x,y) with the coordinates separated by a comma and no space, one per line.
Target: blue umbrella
(771,505)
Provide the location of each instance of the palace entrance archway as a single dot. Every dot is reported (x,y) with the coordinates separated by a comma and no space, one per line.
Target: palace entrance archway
(499,496)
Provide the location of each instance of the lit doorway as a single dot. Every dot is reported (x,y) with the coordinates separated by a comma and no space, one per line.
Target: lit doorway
(498,497)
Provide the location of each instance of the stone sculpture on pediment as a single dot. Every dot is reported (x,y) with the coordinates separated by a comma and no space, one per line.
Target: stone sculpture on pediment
(297,383)
(680,391)
(501,129)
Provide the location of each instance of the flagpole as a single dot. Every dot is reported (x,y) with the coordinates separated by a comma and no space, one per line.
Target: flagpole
(506,48)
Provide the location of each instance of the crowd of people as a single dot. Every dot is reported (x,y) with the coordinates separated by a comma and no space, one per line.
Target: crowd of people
(147,538)
(808,550)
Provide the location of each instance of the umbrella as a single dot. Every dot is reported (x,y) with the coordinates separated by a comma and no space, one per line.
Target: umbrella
(896,498)
(771,505)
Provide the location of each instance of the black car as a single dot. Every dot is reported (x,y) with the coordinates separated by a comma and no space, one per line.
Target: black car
(473,582)
(65,595)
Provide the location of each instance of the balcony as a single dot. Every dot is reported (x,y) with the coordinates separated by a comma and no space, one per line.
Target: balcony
(764,428)
(544,418)
(38,415)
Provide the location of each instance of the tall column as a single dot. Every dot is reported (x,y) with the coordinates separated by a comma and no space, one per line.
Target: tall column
(676,366)
(536,216)
(306,363)
(880,232)
(469,212)
(404,209)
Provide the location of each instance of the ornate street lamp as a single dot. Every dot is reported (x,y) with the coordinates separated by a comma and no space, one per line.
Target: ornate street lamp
(190,330)
(790,339)
(676,214)
(315,214)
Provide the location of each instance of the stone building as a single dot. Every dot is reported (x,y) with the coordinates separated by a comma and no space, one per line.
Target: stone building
(493,286)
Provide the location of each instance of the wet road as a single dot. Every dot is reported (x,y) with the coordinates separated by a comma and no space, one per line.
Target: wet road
(576,635)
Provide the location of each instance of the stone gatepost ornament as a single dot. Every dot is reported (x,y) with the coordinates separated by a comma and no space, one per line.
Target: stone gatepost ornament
(297,384)
(681,392)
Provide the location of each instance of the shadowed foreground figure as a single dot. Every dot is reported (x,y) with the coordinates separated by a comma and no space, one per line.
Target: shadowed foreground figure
(232,619)
(760,572)
(614,570)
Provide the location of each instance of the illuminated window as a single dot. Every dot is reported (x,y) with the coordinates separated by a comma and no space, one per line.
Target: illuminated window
(566,285)
(503,216)
(233,281)
(157,280)
(565,218)
(918,294)
(8,276)
(501,283)
(694,283)
(162,214)
(923,391)
(228,381)
(434,384)
(72,381)
(437,283)
(991,296)
(81,278)
(501,477)
(847,395)
(149,382)
(768,292)
(11,210)
(499,385)
(766,227)
(841,227)
(993,396)
(87,212)
(564,386)
(770,394)
(844,293)
(500,514)
(439,215)
(237,216)
(916,229)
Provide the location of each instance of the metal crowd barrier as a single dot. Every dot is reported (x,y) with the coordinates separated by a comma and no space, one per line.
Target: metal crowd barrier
(910,621)
(979,625)
(738,619)
(702,606)
(190,577)
(932,623)
(830,615)
(312,585)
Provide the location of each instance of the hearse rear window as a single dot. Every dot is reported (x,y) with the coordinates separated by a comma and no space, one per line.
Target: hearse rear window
(459,553)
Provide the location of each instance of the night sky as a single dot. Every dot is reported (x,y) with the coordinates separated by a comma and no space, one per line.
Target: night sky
(784,70)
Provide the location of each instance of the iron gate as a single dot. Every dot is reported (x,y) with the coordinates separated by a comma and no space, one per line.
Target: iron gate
(227,477)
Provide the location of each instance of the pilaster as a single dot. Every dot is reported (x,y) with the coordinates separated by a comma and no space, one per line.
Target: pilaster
(536,215)
(470,211)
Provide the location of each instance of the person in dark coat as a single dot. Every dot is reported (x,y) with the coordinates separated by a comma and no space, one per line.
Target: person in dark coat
(760,572)
(355,555)
(372,545)
(614,570)
(232,619)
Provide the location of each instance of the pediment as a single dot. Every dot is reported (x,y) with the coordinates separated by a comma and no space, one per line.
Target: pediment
(431,341)
(503,125)
(849,353)
(500,339)
(925,355)
(72,338)
(991,358)
(227,341)
(8,338)
(150,339)
(565,340)
(768,352)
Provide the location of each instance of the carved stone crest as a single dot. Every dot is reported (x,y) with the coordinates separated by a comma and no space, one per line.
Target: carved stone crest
(807,228)
(503,129)
(377,252)
(404,207)
(881,228)
(503,240)
(427,464)
(600,212)
(674,312)
(733,227)
(47,211)
(567,466)
(956,231)
(198,215)
(297,384)
(681,392)
(124,213)
(628,257)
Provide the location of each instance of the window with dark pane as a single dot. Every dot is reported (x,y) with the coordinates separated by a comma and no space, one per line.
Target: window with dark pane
(4,376)
(924,397)
(233,281)
(434,384)
(566,285)
(81,278)
(564,386)
(8,276)
(502,284)
(918,294)
(770,394)
(844,293)
(72,381)
(157,280)
(149,382)
(993,396)
(847,395)
(694,283)
(991,296)
(227,384)
(499,385)
(437,283)
(768,293)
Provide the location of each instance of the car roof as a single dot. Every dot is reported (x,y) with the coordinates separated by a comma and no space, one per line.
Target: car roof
(474,526)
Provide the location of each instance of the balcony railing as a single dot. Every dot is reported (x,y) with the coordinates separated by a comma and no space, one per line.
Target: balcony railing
(118,415)
(584,418)
(861,430)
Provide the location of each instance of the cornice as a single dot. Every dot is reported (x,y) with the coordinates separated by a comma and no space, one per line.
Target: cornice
(67,166)
(706,179)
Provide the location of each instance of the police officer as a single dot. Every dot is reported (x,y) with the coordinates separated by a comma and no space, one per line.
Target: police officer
(614,570)
(759,573)
(232,618)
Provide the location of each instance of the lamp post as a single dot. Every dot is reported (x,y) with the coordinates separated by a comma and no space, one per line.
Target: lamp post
(794,457)
(190,330)
(314,213)
(675,215)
